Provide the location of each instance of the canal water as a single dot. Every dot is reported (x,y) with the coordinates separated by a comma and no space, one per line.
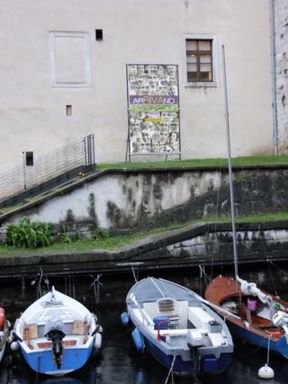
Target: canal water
(118,361)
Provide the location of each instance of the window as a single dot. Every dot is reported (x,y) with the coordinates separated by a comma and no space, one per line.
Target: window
(99,34)
(199,60)
(68,110)
(29,157)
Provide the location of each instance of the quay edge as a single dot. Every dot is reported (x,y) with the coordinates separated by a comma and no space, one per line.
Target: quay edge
(190,246)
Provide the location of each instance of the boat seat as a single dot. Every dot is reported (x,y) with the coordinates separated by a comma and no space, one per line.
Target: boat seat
(166,307)
(30,331)
(80,327)
(260,322)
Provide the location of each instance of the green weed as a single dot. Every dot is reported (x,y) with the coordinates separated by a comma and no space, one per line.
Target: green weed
(27,234)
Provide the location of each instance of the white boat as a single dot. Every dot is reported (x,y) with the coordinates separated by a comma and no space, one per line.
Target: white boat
(176,326)
(56,334)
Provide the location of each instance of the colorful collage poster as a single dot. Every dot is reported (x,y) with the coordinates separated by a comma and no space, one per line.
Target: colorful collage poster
(153,109)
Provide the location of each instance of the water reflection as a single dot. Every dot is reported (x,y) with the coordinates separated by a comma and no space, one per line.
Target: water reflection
(119,363)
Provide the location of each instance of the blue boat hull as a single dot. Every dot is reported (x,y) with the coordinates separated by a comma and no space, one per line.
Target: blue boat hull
(279,346)
(72,360)
(208,364)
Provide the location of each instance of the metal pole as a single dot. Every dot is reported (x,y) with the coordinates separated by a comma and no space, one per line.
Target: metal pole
(273,75)
(230,167)
(24,169)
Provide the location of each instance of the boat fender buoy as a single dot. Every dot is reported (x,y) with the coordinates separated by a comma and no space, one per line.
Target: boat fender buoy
(138,340)
(14,346)
(125,318)
(98,328)
(13,337)
(98,341)
(266,372)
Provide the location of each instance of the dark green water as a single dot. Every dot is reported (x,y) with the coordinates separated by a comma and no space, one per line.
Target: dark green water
(118,362)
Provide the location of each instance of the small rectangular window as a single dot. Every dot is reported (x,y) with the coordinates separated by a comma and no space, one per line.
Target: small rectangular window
(29,159)
(99,34)
(199,60)
(68,110)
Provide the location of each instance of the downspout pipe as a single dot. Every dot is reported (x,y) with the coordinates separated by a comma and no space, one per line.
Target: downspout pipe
(273,77)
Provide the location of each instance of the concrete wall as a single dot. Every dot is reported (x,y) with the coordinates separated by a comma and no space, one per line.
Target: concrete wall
(261,244)
(33,98)
(129,200)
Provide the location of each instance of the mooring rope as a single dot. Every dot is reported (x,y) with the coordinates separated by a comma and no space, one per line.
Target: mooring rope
(284,271)
(207,278)
(134,274)
(171,371)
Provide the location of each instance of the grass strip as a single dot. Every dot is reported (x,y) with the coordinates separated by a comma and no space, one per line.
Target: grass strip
(117,242)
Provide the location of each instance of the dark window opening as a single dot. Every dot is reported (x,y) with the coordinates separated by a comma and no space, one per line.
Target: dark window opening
(199,60)
(99,34)
(68,110)
(29,159)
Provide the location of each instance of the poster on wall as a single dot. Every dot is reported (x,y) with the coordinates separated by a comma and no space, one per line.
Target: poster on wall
(153,109)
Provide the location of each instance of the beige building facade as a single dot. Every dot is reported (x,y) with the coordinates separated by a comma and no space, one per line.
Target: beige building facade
(132,71)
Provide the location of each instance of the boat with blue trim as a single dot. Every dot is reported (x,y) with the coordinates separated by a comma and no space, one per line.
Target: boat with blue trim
(56,334)
(255,316)
(178,329)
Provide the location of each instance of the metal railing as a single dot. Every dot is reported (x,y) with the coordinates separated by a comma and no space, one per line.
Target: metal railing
(61,161)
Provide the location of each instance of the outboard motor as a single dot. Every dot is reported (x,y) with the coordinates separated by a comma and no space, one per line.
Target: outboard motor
(280,319)
(54,331)
(56,336)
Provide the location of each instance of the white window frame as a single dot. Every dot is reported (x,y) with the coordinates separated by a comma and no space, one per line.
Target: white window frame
(85,35)
(215,60)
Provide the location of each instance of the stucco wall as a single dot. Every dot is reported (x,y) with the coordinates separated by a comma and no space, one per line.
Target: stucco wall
(33,109)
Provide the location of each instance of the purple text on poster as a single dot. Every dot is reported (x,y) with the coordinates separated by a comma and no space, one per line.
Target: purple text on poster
(146,99)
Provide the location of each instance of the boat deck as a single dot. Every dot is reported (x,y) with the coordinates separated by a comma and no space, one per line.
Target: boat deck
(42,343)
(76,335)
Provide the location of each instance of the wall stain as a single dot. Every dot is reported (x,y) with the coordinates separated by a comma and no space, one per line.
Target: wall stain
(113,213)
(69,215)
(92,209)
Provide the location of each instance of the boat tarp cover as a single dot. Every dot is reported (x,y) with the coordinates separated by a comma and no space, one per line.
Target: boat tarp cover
(152,289)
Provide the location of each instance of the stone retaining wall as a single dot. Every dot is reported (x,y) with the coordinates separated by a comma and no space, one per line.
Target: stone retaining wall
(129,200)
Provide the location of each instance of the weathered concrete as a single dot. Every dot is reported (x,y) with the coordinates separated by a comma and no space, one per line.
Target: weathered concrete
(131,200)
(209,244)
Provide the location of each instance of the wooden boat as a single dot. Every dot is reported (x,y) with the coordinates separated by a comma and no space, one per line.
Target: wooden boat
(56,334)
(4,332)
(255,316)
(178,328)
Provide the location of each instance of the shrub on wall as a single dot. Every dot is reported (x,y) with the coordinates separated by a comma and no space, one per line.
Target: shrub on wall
(28,234)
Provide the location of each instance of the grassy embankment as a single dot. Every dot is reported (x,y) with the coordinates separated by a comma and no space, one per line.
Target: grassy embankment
(116,242)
